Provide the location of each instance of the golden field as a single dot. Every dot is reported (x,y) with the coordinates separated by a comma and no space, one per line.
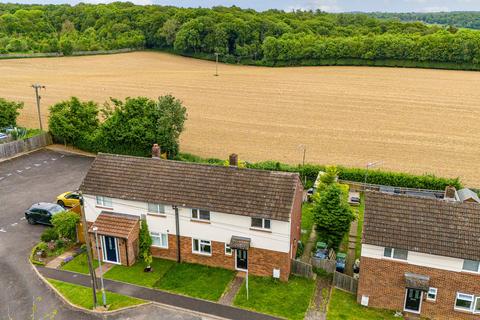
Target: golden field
(414,120)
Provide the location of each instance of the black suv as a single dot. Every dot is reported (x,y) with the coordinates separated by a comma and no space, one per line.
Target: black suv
(42,212)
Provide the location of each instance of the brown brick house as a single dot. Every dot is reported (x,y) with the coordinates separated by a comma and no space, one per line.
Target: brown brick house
(421,256)
(225,216)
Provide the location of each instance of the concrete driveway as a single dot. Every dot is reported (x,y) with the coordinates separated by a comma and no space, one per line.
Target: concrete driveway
(41,176)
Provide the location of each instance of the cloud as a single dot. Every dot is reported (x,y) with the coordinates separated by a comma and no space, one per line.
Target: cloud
(435,9)
(324,5)
(139,2)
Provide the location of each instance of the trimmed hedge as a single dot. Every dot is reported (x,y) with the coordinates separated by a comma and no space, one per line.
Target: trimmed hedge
(310,172)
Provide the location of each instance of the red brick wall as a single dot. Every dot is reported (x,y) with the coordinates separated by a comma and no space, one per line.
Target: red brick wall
(384,282)
(260,262)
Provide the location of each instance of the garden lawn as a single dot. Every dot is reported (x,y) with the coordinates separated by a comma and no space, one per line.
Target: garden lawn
(285,299)
(82,296)
(344,306)
(196,280)
(307,221)
(136,275)
(79,264)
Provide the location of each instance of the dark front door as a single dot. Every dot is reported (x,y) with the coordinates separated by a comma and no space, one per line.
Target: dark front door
(110,249)
(242,259)
(413,300)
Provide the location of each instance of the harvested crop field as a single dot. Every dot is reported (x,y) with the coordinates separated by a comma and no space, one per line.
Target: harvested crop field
(414,120)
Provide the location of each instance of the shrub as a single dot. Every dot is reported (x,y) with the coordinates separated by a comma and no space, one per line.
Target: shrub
(9,112)
(42,246)
(59,244)
(145,243)
(48,235)
(65,224)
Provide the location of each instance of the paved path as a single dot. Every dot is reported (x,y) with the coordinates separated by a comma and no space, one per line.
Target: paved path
(197,305)
(318,309)
(227,299)
(307,251)
(352,241)
(57,262)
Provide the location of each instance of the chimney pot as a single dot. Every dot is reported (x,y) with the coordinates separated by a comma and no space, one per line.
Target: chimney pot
(156,151)
(450,193)
(233,160)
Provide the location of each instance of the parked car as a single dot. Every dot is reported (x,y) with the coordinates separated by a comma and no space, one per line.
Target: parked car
(321,251)
(3,137)
(68,199)
(310,193)
(42,212)
(341,262)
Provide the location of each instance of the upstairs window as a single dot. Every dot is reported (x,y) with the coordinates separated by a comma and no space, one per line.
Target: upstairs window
(261,223)
(395,253)
(198,214)
(472,266)
(104,201)
(156,208)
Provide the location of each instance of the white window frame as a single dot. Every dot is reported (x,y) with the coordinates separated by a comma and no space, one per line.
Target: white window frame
(227,247)
(461,308)
(200,243)
(433,291)
(160,209)
(476,302)
(100,201)
(199,217)
(471,271)
(263,224)
(159,235)
(392,254)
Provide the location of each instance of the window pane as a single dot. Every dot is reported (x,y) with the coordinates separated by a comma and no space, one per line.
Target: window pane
(161,208)
(155,239)
(153,208)
(99,200)
(228,250)
(164,240)
(206,248)
(266,224)
(256,223)
(464,301)
(400,254)
(387,252)
(470,265)
(477,305)
(107,202)
(194,213)
(432,293)
(204,215)
(195,245)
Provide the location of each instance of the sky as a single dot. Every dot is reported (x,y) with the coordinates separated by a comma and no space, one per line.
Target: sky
(325,5)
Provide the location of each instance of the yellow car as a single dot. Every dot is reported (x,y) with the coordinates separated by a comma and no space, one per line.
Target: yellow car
(68,199)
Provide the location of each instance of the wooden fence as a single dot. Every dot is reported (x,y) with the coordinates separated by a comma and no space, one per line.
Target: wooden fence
(303,269)
(12,148)
(325,264)
(345,282)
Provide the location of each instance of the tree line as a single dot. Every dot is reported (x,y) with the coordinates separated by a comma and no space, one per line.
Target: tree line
(239,35)
(458,19)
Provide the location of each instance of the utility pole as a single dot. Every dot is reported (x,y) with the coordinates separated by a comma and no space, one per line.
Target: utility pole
(216,64)
(177,231)
(89,251)
(370,165)
(304,147)
(38,87)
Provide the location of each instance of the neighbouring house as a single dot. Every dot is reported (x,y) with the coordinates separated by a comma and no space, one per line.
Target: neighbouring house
(222,216)
(421,255)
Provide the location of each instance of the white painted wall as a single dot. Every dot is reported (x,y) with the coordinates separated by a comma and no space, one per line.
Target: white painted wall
(417,258)
(221,228)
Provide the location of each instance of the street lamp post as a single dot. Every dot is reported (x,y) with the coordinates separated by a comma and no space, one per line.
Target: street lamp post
(104,298)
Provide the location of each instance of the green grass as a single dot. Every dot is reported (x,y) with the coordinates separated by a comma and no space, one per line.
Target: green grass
(307,221)
(82,296)
(79,264)
(196,281)
(136,275)
(285,299)
(343,306)
(361,210)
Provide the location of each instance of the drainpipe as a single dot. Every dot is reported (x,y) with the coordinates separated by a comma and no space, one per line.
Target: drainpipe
(177,227)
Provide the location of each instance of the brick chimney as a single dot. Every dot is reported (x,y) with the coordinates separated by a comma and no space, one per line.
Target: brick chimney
(233,160)
(156,151)
(450,194)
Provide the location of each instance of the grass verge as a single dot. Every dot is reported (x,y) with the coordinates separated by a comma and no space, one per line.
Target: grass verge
(307,221)
(343,306)
(285,299)
(82,296)
(136,275)
(79,264)
(196,280)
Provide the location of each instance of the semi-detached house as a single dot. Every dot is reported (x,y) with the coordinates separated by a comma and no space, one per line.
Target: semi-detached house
(223,216)
(421,255)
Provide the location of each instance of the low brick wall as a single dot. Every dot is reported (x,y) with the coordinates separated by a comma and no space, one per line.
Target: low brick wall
(384,282)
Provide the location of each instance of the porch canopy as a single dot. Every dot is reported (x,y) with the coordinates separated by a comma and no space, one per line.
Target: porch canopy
(115,224)
(417,281)
(242,243)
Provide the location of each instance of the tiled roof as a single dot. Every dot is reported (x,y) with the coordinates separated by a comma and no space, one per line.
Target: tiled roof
(423,225)
(115,225)
(248,192)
